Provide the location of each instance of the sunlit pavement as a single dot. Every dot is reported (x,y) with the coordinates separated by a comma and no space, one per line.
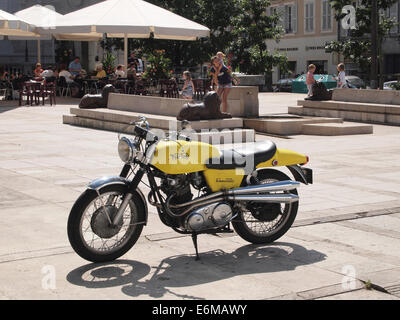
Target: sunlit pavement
(346,233)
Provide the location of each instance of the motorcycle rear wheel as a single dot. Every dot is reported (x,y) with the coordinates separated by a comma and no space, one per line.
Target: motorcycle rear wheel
(89,232)
(256,231)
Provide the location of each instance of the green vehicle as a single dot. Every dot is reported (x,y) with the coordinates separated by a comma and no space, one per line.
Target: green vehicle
(299,84)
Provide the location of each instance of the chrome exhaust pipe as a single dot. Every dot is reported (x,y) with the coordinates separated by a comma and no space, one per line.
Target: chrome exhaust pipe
(270,187)
(250,190)
(273,198)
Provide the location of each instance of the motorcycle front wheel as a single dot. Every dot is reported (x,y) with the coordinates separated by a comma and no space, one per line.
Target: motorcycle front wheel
(89,230)
(265,223)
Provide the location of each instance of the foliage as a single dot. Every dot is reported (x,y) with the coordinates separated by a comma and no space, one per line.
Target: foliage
(251,28)
(158,66)
(109,63)
(239,27)
(108,44)
(358,45)
(64,53)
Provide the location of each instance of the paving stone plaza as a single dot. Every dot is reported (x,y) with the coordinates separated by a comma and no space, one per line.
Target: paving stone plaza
(344,243)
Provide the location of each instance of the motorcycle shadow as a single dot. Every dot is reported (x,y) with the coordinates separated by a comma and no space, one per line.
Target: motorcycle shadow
(183,271)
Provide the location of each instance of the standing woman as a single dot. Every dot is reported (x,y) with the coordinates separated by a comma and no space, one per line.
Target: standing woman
(223,74)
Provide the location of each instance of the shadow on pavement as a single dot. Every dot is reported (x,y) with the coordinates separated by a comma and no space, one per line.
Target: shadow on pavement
(183,271)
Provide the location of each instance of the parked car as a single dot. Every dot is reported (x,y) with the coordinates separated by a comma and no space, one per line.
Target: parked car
(299,84)
(389,85)
(355,82)
(284,85)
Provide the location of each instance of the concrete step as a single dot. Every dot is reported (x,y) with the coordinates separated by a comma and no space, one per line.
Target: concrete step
(214,136)
(337,129)
(285,126)
(359,116)
(351,106)
(298,111)
(155,121)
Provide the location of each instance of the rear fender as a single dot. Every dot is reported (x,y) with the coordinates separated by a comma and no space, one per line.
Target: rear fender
(98,184)
(285,157)
(304,175)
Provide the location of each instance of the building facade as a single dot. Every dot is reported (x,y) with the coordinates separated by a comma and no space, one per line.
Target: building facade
(21,55)
(309,25)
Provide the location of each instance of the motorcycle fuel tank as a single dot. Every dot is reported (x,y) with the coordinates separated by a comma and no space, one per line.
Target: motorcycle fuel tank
(180,157)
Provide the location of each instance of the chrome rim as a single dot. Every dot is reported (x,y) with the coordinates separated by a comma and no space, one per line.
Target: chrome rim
(122,234)
(266,228)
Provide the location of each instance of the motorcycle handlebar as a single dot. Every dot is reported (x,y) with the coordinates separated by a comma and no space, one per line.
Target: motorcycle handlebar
(145,134)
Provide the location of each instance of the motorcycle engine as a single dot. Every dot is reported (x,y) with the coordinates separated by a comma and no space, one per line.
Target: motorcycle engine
(180,186)
(209,217)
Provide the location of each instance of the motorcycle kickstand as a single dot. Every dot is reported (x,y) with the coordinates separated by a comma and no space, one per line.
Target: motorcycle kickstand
(194,238)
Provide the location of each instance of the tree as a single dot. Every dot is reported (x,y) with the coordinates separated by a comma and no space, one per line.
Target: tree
(357,46)
(251,28)
(216,15)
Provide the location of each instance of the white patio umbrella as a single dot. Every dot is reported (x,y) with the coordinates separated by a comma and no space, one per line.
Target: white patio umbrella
(130,19)
(10,25)
(46,18)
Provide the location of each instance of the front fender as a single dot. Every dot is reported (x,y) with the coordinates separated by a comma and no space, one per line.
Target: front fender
(100,183)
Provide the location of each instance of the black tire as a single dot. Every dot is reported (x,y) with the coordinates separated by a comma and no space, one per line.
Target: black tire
(241,227)
(76,215)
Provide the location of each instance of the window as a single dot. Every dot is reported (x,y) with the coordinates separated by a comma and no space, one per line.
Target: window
(291,18)
(326,16)
(309,16)
(393,13)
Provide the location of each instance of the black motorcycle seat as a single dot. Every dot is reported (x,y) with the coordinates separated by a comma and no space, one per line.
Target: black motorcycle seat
(248,154)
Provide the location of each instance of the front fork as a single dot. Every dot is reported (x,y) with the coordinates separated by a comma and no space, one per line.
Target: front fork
(131,189)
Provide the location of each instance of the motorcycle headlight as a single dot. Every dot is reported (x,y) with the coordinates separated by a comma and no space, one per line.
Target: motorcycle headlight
(127,150)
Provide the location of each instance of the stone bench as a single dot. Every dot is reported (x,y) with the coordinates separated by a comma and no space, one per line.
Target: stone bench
(243,102)
(367,96)
(374,106)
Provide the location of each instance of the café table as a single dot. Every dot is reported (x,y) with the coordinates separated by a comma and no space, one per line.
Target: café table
(31,89)
(90,85)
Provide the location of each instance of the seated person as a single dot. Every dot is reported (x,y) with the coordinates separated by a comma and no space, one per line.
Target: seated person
(75,67)
(70,79)
(131,72)
(120,73)
(18,81)
(4,75)
(101,73)
(38,71)
(47,73)
(188,87)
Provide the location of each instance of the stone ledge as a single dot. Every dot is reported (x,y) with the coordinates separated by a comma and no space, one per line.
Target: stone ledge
(391,97)
(243,102)
(285,126)
(225,136)
(336,129)
(351,106)
(368,117)
(155,121)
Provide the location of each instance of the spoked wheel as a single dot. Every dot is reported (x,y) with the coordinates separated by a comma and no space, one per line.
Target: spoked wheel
(90,232)
(266,222)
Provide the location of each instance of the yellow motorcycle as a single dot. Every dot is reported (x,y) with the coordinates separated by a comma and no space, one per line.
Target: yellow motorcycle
(195,187)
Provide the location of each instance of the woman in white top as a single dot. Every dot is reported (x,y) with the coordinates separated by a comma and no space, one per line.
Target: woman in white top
(342,83)
(69,78)
(119,72)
